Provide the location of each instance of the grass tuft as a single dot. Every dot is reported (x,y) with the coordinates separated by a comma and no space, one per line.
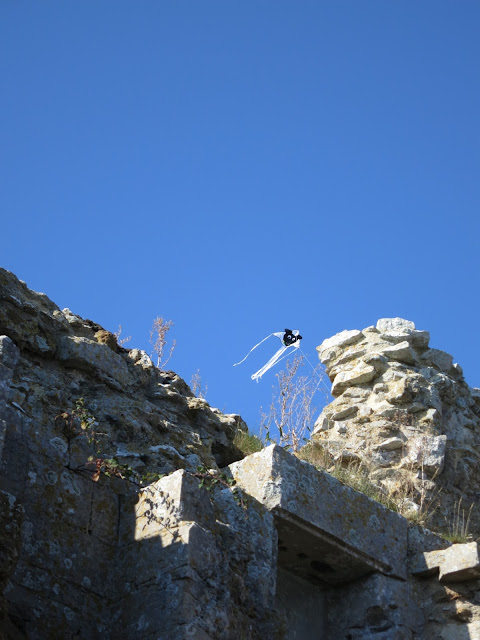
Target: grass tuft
(246,442)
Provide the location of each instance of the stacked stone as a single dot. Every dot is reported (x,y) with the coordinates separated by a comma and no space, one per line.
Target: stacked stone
(404,410)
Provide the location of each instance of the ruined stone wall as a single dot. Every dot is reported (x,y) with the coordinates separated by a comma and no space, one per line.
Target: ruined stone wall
(69,547)
(269,548)
(405,411)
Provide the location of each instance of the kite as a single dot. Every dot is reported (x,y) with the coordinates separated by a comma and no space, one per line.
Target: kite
(288,338)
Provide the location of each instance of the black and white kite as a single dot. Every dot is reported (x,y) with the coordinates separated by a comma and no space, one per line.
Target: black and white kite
(288,338)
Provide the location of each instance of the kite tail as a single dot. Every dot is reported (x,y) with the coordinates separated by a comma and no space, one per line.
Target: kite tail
(257,345)
(273,361)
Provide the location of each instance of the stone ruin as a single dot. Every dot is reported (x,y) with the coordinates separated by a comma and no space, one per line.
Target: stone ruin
(272,549)
(405,411)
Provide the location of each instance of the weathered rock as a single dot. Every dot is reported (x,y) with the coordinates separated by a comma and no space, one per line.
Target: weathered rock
(390,445)
(386,325)
(428,453)
(288,552)
(340,340)
(455,632)
(438,359)
(415,395)
(360,374)
(401,352)
(57,571)
(197,559)
(460,562)
(374,607)
(292,490)
(81,353)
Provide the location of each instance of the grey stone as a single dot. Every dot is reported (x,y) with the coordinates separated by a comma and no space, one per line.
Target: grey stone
(340,340)
(345,413)
(374,607)
(469,631)
(359,374)
(390,445)
(420,339)
(9,352)
(402,352)
(82,352)
(427,563)
(42,344)
(460,562)
(141,358)
(386,325)
(294,492)
(322,423)
(428,452)
(438,359)
(397,336)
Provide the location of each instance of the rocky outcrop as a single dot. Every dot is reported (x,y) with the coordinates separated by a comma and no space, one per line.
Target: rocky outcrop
(404,410)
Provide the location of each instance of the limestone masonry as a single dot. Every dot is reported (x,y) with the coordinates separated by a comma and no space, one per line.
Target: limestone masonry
(406,411)
(272,548)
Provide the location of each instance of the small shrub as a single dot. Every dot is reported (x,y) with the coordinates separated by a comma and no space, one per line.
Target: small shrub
(290,416)
(118,333)
(158,340)
(196,385)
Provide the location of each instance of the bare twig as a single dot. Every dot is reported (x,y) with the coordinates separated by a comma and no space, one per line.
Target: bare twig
(196,385)
(158,339)
(117,335)
(291,410)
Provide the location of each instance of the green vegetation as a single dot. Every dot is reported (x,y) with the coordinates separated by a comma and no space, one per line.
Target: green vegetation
(246,442)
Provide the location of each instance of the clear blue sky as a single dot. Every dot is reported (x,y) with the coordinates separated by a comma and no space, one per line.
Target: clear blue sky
(242,167)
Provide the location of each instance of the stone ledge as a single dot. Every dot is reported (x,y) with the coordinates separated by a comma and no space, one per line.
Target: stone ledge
(331,533)
(90,355)
(458,563)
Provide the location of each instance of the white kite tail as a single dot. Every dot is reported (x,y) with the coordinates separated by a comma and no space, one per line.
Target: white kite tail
(257,345)
(273,360)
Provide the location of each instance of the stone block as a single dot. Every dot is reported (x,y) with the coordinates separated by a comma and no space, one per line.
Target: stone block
(390,445)
(385,325)
(9,352)
(330,533)
(89,354)
(460,562)
(341,340)
(457,631)
(185,554)
(401,352)
(425,564)
(376,606)
(420,339)
(428,452)
(439,359)
(360,374)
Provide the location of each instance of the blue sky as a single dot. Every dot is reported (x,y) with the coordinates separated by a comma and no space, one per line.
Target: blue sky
(242,167)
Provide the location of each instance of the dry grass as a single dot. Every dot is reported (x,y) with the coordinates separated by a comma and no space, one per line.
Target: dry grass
(400,498)
(457,527)
(247,443)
